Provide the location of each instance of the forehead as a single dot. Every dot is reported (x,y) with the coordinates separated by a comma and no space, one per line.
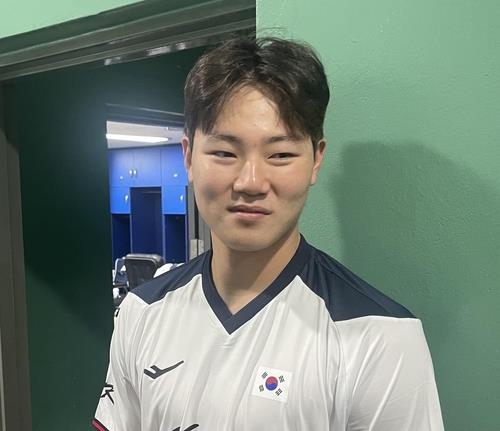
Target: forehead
(250,106)
(247,100)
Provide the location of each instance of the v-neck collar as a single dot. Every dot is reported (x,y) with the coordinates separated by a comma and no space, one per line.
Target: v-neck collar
(232,322)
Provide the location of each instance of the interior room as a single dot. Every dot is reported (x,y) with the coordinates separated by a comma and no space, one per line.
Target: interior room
(148,196)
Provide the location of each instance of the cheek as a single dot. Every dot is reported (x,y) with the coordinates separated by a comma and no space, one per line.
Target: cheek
(208,185)
(296,187)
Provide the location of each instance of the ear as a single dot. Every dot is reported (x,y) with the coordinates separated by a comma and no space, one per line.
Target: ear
(318,159)
(186,150)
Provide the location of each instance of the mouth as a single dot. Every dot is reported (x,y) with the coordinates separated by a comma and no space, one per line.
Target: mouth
(249,209)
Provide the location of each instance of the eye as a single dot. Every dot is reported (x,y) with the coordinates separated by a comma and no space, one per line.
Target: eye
(222,154)
(282,156)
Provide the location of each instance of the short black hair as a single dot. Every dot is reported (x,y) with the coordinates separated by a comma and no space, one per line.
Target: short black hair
(287,72)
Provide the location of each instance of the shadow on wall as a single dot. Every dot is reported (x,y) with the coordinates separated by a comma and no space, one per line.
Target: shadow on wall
(427,231)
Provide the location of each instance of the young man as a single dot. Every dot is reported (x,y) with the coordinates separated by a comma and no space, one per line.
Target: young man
(263,332)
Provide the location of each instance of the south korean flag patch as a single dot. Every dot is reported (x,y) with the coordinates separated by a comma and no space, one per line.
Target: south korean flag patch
(272,384)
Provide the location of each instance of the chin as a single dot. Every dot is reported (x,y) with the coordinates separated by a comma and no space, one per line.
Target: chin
(247,246)
(252,242)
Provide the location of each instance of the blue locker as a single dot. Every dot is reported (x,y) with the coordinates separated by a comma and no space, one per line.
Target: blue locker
(173,172)
(121,165)
(147,167)
(174,199)
(135,167)
(119,200)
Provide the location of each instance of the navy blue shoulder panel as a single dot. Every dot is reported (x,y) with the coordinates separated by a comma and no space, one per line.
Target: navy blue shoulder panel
(156,289)
(345,294)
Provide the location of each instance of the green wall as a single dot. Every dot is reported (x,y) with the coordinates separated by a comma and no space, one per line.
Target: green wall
(410,192)
(23,16)
(57,121)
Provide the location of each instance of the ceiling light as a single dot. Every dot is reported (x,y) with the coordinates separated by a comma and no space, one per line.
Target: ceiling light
(135,138)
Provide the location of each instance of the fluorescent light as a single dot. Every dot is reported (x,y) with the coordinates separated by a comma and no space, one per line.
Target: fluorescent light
(135,138)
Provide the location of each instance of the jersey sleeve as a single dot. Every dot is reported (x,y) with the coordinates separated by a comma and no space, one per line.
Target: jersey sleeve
(390,377)
(118,408)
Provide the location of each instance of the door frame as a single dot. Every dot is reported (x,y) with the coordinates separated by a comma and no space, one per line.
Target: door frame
(15,398)
(140,30)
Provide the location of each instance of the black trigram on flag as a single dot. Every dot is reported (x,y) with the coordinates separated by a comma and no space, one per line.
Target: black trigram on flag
(278,392)
(264,375)
(282,379)
(261,388)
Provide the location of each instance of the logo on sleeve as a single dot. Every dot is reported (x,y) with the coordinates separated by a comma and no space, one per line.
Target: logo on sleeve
(107,391)
(272,384)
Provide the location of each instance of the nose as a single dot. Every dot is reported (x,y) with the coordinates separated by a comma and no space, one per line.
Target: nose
(252,179)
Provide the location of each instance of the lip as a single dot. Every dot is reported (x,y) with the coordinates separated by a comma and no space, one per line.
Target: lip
(249,209)
(249,213)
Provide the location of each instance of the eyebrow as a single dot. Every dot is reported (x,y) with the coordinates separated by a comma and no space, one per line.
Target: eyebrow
(235,140)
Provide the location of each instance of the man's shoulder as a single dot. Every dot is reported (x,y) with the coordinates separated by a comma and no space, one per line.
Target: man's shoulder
(346,295)
(155,290)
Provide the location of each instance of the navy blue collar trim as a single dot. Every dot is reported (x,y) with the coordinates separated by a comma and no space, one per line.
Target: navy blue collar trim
(232,322)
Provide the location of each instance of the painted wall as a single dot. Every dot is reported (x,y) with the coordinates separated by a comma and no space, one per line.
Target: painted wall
(410,194)
(23,16)
(57,121)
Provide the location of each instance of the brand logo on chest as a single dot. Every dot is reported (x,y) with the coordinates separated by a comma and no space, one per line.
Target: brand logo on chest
(156,372)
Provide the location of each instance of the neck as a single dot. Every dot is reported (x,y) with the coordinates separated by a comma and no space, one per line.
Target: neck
(240,276)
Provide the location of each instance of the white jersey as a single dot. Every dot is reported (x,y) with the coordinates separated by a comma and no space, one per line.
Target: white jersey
(319,349)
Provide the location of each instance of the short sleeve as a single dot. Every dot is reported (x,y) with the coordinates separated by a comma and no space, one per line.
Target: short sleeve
(119,408)
(390,377)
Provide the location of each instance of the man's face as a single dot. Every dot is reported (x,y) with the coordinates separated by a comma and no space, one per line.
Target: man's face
(251,178)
